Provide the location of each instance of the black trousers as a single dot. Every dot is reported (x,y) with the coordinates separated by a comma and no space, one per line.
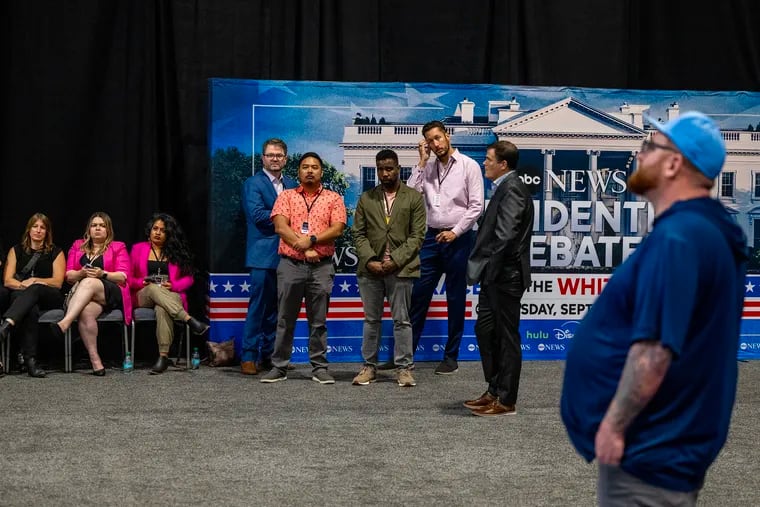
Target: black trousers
(25,311)
(498,335)
(4,297)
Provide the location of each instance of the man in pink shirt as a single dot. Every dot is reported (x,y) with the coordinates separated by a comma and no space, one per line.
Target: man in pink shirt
(308,220)
(452,185)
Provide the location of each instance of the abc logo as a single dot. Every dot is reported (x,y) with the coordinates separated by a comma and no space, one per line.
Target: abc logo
(530,180)
(743,346)
(541,347)
(436,347)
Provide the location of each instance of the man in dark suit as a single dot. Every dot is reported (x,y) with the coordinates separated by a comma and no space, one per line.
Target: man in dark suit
(500,261)
(259,193)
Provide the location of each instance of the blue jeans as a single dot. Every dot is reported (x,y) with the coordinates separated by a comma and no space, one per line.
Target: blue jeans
(437,259)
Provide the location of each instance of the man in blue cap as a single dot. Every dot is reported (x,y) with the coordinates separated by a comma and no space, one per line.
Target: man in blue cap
(650,378)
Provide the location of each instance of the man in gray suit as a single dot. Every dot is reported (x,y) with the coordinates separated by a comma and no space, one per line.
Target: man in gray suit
(500,261)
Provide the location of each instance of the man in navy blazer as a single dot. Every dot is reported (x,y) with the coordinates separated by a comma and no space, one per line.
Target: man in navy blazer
(500,261)
(259,193)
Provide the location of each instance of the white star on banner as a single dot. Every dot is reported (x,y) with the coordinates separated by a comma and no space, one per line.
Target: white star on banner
(245,286)
(415,98)
(227,286)
(345,286)
(274,85)
(212,286)
(749,287)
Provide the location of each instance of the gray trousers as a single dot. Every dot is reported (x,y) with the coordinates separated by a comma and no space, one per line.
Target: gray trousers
(373,291)
(168,307)
(297,281)
(617,487)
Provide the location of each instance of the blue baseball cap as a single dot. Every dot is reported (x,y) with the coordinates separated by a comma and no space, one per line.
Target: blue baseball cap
(698,138)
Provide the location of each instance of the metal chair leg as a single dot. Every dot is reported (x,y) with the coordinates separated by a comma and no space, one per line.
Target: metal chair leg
(187,339)
(67,351)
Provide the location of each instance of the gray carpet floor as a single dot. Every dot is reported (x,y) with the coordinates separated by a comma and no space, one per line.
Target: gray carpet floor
(212,436)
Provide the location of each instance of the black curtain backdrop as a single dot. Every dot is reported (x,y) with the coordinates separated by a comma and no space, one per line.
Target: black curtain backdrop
(104,103)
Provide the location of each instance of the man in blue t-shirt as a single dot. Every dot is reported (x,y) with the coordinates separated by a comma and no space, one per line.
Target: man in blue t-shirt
(650,379)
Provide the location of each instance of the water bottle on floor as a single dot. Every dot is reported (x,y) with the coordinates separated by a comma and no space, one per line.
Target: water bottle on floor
(128,367)
(195,359)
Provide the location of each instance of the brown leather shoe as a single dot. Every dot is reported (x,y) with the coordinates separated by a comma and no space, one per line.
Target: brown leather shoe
(248,368)
(485,399)
(495,409)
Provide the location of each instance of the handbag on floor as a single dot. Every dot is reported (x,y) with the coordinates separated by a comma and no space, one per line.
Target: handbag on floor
(221,353)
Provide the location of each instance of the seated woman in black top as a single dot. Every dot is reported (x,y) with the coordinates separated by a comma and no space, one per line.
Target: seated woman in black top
(34,274)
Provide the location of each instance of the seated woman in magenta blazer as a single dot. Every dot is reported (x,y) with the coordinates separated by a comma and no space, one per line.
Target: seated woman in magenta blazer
(162,271)
(100,265)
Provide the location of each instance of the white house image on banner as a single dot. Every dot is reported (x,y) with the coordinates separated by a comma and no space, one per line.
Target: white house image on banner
(576,159)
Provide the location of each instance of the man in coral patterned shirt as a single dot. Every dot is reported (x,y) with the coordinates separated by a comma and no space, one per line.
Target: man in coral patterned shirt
(308,220)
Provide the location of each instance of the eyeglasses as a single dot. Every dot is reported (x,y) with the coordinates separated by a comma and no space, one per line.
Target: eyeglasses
(275,156)
(648,146)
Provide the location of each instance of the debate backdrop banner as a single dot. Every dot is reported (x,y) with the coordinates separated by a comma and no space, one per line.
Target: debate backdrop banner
(577,148)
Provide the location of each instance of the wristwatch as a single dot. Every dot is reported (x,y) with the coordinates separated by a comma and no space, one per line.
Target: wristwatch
(313,239)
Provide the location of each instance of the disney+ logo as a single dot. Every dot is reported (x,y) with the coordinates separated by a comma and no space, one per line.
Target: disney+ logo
(566,331)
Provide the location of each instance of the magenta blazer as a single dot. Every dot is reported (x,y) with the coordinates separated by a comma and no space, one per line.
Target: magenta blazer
(115,258)
(139,256)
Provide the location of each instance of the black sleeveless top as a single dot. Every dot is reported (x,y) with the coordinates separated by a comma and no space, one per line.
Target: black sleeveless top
(44,266)
(97,263)
(158,268)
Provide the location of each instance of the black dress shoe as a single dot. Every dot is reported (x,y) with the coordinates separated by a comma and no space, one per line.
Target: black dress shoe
(197,327)
(99,373)
(447,367)
(33,369)
(162,363)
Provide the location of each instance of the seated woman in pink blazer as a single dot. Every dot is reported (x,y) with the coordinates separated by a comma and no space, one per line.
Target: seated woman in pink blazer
(101,266)
(162,271)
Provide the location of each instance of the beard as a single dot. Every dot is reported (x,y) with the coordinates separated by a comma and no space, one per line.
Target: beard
(642,181)
(389,184)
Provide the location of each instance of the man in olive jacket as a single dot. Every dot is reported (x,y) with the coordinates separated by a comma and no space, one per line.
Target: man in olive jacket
(389,227)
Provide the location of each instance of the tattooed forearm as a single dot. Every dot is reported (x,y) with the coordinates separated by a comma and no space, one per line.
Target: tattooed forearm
(645,367)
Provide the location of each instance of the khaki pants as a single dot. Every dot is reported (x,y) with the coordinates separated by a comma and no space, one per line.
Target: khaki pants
(168,308)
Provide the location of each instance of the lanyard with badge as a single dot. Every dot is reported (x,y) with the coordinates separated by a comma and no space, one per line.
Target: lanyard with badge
(305,225)
(388,206)
(437,196)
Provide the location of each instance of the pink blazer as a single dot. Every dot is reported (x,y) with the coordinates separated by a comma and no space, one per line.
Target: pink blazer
(115,258)
(139,256)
